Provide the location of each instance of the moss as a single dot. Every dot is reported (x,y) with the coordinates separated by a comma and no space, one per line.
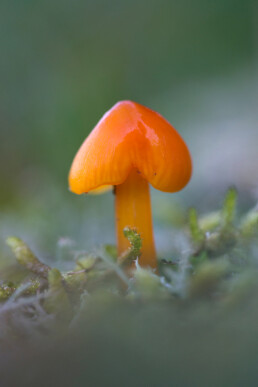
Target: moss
(26,258)
(213,280)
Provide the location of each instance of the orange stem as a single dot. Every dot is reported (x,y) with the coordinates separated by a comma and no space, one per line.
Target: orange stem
(133,209)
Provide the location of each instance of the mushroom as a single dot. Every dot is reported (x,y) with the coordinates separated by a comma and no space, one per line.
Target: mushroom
(130,147)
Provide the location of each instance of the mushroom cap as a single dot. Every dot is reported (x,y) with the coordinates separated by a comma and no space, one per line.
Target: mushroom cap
(131,136)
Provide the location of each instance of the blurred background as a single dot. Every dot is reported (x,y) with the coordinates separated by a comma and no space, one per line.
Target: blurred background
(63,64)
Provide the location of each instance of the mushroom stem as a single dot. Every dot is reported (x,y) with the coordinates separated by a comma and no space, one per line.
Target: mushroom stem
(133,209)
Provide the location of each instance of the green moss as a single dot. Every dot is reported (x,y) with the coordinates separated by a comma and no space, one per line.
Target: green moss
(26,258)
(212,280)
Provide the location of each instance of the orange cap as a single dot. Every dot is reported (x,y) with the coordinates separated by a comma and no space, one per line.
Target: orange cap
(131,136)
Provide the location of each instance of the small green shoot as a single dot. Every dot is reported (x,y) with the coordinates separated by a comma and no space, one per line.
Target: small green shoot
(134,250)
(228,211)
(197,234)
(26,258)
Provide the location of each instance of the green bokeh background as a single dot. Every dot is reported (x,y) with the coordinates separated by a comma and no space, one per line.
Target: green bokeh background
(63,64)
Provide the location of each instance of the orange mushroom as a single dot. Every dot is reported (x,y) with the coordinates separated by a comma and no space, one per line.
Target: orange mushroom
(130,147)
